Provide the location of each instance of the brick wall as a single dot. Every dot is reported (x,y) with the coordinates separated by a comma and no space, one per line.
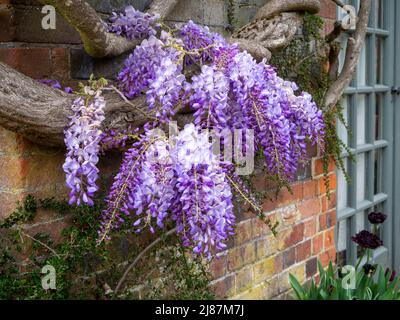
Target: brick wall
(257,264)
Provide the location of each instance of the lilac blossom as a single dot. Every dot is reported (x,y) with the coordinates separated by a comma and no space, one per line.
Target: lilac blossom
(134,24)
(82,139)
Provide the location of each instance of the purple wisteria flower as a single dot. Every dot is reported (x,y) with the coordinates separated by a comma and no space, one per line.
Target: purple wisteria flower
(120,199)
(203,213)
(208,95)
(154,69)
(82,139)
(134,24)
(178,180)
(55,84)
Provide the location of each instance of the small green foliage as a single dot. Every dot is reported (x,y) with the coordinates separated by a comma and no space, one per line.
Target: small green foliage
(67,257)
(24,212)
(84,269)
(333,286)
(182,276)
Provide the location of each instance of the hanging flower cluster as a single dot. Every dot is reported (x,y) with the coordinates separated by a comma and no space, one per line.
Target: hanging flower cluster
(82,138)
(154,68)
(134,24)
(180,180)
(232,90)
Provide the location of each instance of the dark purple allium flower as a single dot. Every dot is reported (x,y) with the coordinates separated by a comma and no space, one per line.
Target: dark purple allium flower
(134,24)
(367,240)
(377,217)
(82,138)
(369,269)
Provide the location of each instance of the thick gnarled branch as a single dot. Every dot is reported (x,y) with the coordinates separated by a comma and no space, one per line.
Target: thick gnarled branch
(273,27)
(40,113)
(353,50)
(97,41)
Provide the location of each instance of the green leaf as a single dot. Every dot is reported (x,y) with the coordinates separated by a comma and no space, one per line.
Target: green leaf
(298,289)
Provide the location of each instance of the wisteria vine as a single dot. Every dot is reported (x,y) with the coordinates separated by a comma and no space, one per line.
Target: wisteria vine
(180,179)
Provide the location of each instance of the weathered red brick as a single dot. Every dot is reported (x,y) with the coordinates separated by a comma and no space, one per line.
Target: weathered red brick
(244,279)
(248,253)
(260,228)
(310,227)
(218,266)
(322,222)
(332,183)
(303,250)
(234,259)
(296,235)
(311,267)
(310,189)
(289,257)
(309,207)
(326,256)
(285,196)
(7,30)
(329,238)
(224,287)
(60,64)
(243,232)
(33,62)
(318,166)
(317,243)
(8,201)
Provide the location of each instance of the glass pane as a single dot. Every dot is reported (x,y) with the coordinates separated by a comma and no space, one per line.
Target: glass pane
(342,131)
(378,62)
(361,112)
(360,192)
(362,68)
(342,235)
(342,188)
(368,47)
(378,171)
(380,5)
(360,221)
(378,116)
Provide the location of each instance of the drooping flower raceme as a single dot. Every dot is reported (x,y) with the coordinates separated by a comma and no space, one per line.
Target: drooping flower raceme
(82,139)
(209,97)
(179,180)
(203,212)
(154,68)
(134,24)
